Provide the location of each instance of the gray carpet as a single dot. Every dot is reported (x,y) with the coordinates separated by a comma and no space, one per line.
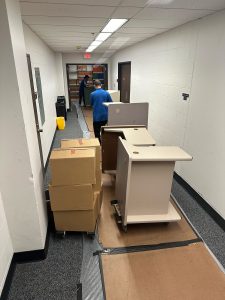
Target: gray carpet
(212,234)
(54,278)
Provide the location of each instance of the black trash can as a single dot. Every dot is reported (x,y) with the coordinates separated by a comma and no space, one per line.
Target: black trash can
(61,107)
(61,99)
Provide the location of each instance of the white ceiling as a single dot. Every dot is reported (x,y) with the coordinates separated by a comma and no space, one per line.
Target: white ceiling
(71,25)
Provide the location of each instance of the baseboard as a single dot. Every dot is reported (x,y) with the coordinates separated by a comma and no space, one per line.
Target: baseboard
(8,281)
(30,256)
(23,257)
(49,153)
(216,217)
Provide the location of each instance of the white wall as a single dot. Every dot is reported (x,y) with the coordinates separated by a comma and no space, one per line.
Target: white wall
(49,63)
(20,177)
(78,58)
(6,251)
(187,59)
(59,71)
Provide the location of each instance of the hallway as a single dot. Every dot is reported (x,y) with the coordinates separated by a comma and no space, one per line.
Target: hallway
(70,261)
(164,57)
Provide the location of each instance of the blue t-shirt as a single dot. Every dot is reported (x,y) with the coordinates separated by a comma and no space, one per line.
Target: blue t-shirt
(100,111)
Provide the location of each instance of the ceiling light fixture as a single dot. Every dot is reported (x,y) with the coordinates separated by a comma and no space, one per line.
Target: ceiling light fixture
(96,43)
(114,24)
(91,48)
(103,36)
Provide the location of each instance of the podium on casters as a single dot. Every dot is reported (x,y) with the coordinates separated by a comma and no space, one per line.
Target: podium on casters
(143,182)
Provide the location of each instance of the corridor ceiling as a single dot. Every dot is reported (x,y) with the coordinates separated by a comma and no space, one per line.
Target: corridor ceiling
(71,25)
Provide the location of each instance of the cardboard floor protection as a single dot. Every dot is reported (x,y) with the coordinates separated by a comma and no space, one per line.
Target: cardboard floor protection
(87,111)
(112,236)
(184,273)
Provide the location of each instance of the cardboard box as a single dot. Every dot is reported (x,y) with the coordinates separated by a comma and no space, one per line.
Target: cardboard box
(71,197)
(84,143)
(99,199)
(98,186)
(92,134)
(73,166)
(77,220)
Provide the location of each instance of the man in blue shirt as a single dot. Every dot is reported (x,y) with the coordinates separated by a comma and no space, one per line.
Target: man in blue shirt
(83,84)
(100,111)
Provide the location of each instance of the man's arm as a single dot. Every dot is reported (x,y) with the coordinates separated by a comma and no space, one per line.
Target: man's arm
(109,98)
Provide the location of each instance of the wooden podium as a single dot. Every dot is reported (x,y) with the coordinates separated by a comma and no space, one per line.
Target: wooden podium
(143,182)
(135,135)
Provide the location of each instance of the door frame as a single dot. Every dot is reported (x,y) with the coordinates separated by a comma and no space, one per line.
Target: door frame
(120,64)
(34,101)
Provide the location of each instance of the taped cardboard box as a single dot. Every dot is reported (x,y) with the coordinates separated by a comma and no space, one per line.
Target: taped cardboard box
(92,134)
(73,166)
(71,197)
(78,220)
(98,186)
(99,197)
(83,143)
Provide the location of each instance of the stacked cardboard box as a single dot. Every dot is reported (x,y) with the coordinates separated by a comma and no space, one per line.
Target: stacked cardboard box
(90,144)
(75,199)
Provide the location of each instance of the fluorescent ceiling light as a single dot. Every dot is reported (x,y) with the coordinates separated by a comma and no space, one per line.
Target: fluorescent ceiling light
(114,24)
(91,48)
(96,43)
(103,36)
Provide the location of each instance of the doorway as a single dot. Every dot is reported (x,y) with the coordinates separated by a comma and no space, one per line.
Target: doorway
(75,74)
(34,100)
(124,74)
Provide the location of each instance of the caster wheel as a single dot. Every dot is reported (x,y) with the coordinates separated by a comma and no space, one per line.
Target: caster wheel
(114,202)
(124,228)
(61,234)
(118,218)
(91,235)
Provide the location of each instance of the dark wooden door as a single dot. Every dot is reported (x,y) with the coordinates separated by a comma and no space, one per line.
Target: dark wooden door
(124,74)
(34,100)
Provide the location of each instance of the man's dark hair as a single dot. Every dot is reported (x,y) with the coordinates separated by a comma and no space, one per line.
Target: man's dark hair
(86,76)
(97,82)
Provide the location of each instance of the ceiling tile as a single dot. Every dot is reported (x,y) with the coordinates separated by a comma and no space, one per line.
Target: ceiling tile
(138,23)
(125,12)
(78,2)
(45,9)
(133,35)
(140,30)
(69,39)
(170,14)
(67,34)
(139,3)
(41,20)
(74,29)
(190,4)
